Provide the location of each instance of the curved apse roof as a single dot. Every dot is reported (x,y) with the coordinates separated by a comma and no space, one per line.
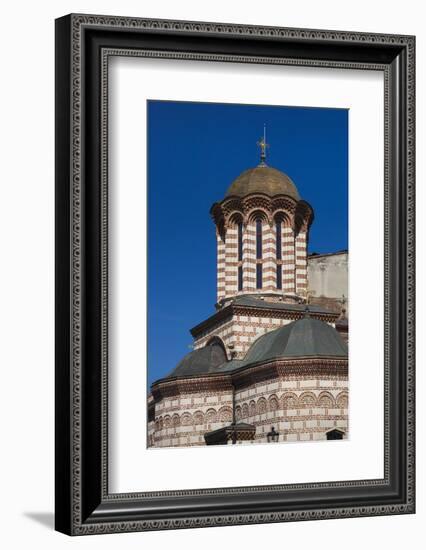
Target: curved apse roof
(306,337)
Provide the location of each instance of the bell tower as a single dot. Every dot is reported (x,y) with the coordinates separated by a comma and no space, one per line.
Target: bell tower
(262,230)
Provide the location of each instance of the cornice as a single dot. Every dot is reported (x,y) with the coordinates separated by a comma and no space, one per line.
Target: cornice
(278,313)
(284,368)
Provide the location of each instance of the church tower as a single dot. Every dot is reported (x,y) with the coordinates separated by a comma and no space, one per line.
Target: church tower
(262,231)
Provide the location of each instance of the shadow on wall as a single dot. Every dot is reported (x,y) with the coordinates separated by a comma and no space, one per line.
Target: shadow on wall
(47,519)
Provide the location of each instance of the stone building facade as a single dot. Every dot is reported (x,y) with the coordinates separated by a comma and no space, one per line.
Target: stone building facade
(270,355)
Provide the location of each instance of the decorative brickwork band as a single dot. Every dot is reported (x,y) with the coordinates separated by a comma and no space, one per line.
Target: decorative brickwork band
(265,247)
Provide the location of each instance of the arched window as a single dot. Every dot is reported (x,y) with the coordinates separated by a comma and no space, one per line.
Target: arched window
(258,253)
(278,240)
(240,241)
(258,239)
(240,255)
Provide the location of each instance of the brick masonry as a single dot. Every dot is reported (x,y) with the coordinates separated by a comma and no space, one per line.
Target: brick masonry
(299,408)
(301,400)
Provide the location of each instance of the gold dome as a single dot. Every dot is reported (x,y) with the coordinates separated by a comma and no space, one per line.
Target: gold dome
(263,179)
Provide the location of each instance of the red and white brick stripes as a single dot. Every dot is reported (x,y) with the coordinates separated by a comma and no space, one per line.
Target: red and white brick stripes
(301,263)
(288,260)
(221,267)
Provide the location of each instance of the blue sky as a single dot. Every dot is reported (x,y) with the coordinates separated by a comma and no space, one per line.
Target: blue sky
(195,151)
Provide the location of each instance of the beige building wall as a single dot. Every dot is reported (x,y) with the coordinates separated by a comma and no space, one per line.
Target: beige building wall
(328,275)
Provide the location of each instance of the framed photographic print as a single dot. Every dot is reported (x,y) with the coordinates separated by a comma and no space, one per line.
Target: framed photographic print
(234,274)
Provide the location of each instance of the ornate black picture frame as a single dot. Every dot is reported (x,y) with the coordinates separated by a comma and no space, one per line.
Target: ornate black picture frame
(83,45)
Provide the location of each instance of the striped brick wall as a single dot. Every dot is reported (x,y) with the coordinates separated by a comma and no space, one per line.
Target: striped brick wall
(182,420)
(300,410)
(231,261)
(269,268)
(239,333)
(301,263)
(221,267)
(249,258)
(293,261)
(288,259)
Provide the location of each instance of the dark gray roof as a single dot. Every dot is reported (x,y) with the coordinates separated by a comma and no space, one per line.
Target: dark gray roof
(306,337)
(200,361)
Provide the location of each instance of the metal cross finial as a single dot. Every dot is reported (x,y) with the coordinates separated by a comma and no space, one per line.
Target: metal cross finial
(263,146)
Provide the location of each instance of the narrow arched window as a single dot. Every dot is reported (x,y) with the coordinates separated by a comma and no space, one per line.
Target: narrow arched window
(279,276)
(240,242)
(278,241)
(258,239)
(240,256)
(259,253)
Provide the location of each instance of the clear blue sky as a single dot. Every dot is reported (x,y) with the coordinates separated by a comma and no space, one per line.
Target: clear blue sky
(195,151)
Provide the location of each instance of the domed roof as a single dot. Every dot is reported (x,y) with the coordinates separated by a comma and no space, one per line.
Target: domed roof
(200,361)
(263,179)
(306,337)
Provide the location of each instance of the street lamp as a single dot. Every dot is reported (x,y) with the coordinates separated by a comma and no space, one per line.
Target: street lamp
(273,436)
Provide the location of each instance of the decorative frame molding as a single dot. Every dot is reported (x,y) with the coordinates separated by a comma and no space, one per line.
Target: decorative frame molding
(84,44)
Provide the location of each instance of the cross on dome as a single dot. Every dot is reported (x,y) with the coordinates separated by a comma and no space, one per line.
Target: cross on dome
(263,145)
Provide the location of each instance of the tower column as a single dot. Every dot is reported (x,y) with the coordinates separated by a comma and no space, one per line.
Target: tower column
(249,258)
(288,264)
(301,263)
(231,261)
(221,266)
(269,258)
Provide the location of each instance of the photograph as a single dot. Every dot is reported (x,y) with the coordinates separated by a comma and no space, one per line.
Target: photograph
(227,196)
(248,258)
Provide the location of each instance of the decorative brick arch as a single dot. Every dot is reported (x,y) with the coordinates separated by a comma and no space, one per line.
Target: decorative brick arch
(198,418)
(186,419)
(252,408)
(211,416)
(262,406)
(342,400)
(279,216)
(307,399)
(167,421)
(289,401)
(238,413)
(225,414)
(175,420)
(273,403)
(258,213)
(245,410)
(234,218)
(326,400)
(217,341)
